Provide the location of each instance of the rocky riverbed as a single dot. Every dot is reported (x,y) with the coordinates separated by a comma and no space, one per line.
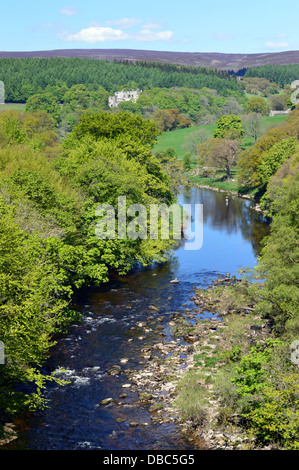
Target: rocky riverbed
(187,342)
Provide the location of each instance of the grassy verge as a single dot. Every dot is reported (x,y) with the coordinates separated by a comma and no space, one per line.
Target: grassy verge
(217,182)
(18,107)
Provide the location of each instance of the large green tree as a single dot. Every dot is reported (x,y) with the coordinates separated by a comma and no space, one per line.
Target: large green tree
(229,125)
(256,104)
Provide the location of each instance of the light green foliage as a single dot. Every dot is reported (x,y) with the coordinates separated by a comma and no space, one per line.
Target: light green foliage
(271,200)
(273,159)
(117,127)
(35,128)
(271,406)
(11,128)
(250,160)
(46,102)
(251,372)
(48,244)
(196,104)
(226,125)
(277,420)
(34,300)
(280,257)
(260,86)
(257,105)
(187,161)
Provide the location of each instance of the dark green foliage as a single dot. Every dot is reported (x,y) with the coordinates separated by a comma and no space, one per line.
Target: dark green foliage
(279,74)
(26,77)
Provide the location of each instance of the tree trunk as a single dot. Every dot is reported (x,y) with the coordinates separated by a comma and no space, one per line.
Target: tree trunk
(228,173)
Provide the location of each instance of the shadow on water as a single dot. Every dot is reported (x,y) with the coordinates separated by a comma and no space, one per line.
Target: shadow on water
(109,334)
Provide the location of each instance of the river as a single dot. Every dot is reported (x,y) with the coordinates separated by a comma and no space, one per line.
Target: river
(75,418)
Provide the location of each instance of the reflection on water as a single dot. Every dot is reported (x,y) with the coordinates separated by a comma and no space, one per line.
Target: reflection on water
(108,333)
(228,214)
(232,233)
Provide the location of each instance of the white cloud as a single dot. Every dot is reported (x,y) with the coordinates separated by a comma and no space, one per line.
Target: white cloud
(97,34)
(149,35)
(69,11)
(124,22)
(276,45)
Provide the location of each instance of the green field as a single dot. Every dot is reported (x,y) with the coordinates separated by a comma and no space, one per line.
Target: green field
(176,139)
(20,107)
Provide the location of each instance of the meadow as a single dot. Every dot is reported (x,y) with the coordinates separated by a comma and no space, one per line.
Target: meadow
(177,138)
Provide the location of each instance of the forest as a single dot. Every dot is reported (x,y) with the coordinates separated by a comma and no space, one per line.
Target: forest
(26,77)
(53,176)
(279,74)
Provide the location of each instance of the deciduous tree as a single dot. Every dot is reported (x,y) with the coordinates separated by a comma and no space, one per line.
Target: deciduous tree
(227,125)
(257,105)
(220,153)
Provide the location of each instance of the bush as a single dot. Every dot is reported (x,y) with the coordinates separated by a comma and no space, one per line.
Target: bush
(277,419)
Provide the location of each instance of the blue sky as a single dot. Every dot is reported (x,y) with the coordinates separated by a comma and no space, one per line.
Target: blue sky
(226,26)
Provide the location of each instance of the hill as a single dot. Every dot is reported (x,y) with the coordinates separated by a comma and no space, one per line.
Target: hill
(215,60)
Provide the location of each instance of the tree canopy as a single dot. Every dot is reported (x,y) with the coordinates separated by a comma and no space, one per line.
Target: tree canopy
(49,195)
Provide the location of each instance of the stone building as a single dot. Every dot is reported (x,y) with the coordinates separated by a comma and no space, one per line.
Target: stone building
(120,96)
(280,113)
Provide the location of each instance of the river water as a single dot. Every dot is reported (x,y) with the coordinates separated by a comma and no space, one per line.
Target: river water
(75,418)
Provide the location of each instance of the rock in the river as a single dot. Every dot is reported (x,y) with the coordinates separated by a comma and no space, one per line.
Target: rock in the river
(115,370)
(106,401)
(152,307)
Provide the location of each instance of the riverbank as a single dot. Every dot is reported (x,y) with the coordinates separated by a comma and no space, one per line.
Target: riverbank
(257,207)
(224,188)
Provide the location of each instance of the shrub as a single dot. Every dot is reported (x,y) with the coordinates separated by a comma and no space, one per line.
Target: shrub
(277,419)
